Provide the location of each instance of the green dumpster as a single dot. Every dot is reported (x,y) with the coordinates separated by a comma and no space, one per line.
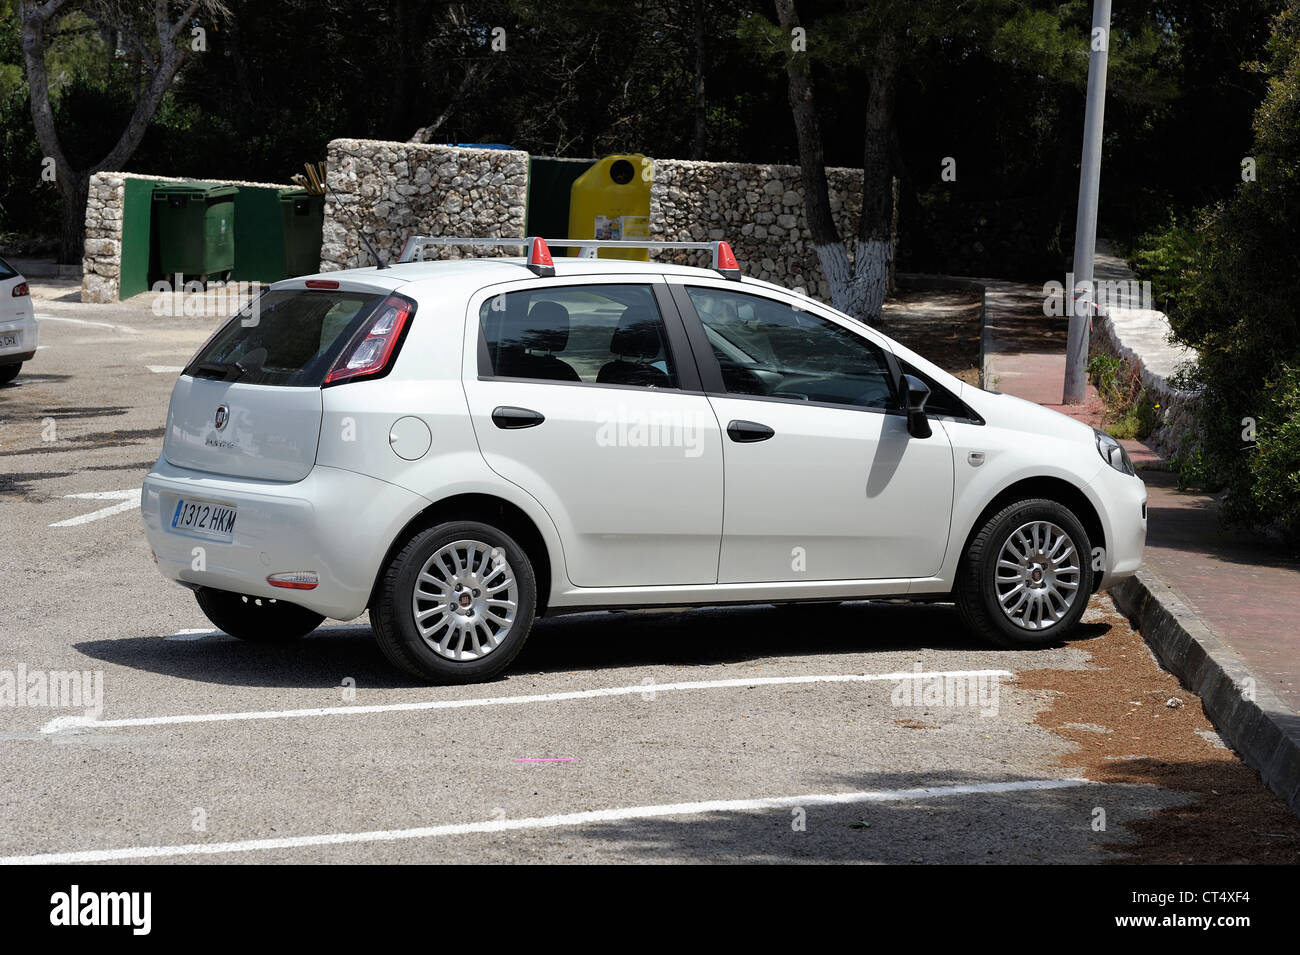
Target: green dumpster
(196,228)
(303,215)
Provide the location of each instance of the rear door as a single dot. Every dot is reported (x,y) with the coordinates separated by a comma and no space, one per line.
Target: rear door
(249,403)
(584,394)
(823,481)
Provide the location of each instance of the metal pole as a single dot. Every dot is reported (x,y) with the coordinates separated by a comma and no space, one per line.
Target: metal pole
(1079,299)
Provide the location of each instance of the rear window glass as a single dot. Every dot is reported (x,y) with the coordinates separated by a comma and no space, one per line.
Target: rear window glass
(292,338)
(7,271)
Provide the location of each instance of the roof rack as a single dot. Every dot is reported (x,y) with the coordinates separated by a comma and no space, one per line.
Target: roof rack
(539,254)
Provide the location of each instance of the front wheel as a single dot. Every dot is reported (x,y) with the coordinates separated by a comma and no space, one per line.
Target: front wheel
(1026,577)
(256,619)
(456,603)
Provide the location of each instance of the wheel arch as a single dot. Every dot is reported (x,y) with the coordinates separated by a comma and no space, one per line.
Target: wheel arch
(489,509)
(1053,489)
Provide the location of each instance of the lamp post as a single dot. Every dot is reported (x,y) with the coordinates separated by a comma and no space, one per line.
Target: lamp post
(1079,298)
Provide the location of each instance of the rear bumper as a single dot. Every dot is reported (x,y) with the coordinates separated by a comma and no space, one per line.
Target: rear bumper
(25,348)
(334,522)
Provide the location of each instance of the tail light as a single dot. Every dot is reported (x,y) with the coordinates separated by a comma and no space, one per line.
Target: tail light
(371,351)
(20,290)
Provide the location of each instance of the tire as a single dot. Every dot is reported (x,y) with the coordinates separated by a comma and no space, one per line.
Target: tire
(455,642)
(256,619)
(9,372)
(1006,605)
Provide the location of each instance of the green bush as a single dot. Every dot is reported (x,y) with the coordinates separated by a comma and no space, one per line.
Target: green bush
(1130,412)
(1167,257)
(1238,311)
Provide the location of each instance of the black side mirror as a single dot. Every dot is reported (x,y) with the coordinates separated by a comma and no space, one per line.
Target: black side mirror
(915,394)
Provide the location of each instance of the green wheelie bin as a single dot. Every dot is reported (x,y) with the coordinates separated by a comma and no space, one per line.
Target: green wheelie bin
(303,214)
(196,228)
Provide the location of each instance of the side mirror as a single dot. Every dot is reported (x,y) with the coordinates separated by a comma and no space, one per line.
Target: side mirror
(915,394)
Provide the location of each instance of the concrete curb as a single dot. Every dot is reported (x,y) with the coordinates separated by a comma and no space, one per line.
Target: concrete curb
(1249,716)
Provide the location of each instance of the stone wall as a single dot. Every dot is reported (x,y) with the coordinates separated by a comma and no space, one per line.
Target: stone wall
(758,209)
(392,191)
(101,263)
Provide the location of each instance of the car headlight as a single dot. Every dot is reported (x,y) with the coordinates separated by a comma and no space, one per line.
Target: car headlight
(1113,453)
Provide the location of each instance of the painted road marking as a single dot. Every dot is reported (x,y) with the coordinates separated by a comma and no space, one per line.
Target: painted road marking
(166,369)
(130,500)
(82,321)
(544,822)
(64,723)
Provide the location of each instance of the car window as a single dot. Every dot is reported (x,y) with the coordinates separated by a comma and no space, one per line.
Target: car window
(7,271)
(768,348)
(295,339)
(598,334)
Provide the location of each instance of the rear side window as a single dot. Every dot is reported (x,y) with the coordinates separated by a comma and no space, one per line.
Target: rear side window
(292,338)
(598,334)
(7,271)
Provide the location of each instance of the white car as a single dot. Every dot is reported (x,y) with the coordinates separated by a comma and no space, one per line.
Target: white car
(464,446)
(18,330)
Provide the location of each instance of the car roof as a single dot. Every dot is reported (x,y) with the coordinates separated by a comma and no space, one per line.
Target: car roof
(490,271)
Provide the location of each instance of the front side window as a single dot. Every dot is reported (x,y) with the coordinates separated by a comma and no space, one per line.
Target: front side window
(770,349)
(598,334)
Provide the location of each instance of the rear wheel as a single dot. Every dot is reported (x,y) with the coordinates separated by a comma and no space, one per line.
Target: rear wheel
(1026,577)
(256,619)
(9,372)
(456,604)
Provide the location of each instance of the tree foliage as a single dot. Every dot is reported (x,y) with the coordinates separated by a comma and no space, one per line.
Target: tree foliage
(1238,311)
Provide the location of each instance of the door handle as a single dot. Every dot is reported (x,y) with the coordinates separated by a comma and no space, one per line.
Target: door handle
(747,432)
(511,419)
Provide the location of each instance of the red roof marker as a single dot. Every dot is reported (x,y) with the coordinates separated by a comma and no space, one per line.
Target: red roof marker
(724,261)
(539,257)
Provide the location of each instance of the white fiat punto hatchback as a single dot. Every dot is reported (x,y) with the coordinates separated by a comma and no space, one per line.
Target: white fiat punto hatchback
(463,446)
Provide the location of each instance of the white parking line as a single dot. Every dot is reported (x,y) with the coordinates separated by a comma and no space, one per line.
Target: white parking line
(166,369)
(543,822)
(64,723)
(130,499)
(82,321)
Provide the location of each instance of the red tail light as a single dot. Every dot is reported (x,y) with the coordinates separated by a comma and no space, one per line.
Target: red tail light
(20,290)
(321,283)
(375,344)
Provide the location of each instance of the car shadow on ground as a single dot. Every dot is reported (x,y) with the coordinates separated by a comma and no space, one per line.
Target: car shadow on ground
(588,642)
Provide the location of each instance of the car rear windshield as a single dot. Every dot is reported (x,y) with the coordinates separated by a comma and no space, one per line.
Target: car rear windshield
(289,337)
(7,271)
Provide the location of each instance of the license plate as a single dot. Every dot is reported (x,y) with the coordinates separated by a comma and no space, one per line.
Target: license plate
(204,518)
(8,341)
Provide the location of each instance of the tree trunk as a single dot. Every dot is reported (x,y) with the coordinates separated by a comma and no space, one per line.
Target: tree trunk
(875,245)
(74,188)
(830,249)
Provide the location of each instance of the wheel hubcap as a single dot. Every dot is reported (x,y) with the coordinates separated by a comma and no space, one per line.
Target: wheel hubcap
(465,600)
(1037,577)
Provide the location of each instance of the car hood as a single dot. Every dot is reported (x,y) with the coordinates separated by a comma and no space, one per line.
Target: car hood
(1016,414)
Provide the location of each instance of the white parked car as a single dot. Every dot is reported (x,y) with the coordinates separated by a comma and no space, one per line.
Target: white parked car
(18,330)
(463,446)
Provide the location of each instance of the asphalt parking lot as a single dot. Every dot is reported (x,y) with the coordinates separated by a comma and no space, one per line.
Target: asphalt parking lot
(864,732)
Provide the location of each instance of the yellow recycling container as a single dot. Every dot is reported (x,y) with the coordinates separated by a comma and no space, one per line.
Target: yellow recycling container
(611,200)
